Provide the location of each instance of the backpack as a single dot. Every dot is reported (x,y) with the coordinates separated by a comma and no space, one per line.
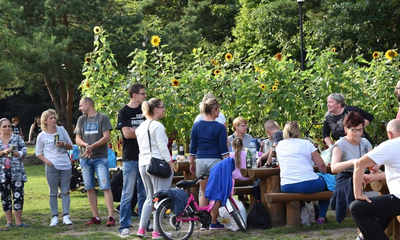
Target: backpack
(257,217)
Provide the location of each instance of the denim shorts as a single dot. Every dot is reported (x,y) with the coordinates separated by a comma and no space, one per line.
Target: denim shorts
(98,165)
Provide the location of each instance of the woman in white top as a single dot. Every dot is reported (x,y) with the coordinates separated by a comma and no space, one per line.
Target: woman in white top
(153,110)
(221,118)
(296,158)
(58,165)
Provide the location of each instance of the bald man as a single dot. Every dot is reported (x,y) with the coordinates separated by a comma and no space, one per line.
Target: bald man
(374,214)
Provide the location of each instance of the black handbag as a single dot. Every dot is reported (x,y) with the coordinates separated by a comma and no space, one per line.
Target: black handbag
(157,167)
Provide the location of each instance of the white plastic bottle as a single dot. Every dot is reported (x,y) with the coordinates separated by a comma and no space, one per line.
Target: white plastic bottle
(253,152)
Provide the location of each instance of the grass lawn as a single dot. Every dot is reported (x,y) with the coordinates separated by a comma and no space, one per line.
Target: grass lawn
(37,214)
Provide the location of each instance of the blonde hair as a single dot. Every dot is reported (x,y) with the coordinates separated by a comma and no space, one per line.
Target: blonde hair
(208,105)
(291,130)
(148,107)
(237,145)
(45,115)
(237,121)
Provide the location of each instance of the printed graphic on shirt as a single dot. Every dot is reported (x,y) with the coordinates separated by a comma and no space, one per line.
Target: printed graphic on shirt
(136,121)
(91,128)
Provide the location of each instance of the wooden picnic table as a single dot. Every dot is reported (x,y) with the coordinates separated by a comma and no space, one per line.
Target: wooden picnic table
(183,166)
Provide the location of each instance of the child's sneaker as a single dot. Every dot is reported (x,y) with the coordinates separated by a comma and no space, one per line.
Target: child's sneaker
(156,235)
(204,228)
(216,226)
(141,232)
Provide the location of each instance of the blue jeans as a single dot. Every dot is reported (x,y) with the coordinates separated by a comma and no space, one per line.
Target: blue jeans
(130,173)
(98,165)
(311,186)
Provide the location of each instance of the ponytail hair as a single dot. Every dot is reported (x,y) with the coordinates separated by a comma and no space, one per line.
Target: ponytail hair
(237,145)
(208,105)
(148,107)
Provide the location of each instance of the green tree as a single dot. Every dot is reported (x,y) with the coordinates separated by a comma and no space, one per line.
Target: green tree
(45,42)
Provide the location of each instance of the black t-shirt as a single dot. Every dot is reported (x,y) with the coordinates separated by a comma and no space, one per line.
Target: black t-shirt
(130,117)
(334,123)
(16,129)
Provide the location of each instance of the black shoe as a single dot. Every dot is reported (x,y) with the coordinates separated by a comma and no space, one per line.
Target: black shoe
(134,214)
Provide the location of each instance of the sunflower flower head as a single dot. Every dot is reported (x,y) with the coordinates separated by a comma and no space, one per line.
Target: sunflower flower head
(390,54)
(155,40)
(97,30)
(333,49)
(276,82)
(87,84)
(175,82)
(262,86)
(88,59)
(375,55)
(278,56)
(194,50)
(217,71)
(228,56)
(274,88)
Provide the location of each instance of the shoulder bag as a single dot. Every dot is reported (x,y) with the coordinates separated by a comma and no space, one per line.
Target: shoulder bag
(157,167)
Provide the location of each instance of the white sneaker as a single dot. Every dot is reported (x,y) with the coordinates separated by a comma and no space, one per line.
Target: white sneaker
(54,221)
(125,233)
(66,220)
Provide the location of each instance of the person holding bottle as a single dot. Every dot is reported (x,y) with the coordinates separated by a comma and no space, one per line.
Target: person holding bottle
(12,175)
(58,167)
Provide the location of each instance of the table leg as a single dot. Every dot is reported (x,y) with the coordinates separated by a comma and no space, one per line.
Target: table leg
(276,211)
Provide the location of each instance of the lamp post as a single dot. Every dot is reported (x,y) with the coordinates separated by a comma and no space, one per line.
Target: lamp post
(300,2)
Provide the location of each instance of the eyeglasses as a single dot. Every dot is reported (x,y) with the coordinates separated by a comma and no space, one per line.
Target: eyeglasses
(397,88)
(357,130)
(243,125)
(142,93)
(161,107)
(6,126)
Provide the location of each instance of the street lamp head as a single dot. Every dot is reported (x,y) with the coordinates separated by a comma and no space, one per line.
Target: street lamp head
(300,1)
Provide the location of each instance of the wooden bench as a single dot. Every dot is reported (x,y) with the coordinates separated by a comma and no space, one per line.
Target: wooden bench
(245,190)
(292,203)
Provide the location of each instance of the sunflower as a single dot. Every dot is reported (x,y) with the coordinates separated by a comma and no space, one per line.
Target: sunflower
(333,49)
(262,86)
(175,82)
(375,55)
(87,59)
(390,54)
(228,56)
(218,71)
(213,62)
(194,50)
(97,30)
(257,69)
(87,84)
(274,88)
(276,82)
(278,56)
(155,40)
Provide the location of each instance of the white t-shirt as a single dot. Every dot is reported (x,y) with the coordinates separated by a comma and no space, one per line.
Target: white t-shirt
(221,118)
(388,154)
(294,157)
(57,155)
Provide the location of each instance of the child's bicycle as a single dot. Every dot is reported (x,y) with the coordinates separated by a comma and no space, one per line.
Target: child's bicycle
(181,227)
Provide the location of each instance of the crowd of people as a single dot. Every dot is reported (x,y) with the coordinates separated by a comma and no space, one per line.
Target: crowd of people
(143,136)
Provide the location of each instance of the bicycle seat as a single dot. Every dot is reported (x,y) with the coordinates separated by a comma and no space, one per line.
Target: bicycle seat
(185,184)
